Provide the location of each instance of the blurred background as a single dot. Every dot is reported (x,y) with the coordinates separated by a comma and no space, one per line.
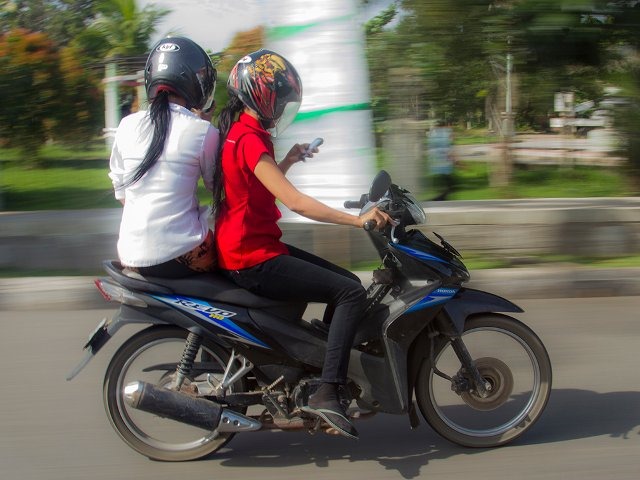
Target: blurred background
(514,122)
(493,107)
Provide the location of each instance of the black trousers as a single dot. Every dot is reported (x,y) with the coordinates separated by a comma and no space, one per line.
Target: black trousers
(302,276)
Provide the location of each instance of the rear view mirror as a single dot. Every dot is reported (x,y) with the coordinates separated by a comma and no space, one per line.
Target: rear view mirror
(379,186)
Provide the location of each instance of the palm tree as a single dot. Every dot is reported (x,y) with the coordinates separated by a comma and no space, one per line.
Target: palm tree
(126,29)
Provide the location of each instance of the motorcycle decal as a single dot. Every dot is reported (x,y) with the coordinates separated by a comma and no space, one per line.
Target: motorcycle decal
(418,254)
(219,317)
(437,297)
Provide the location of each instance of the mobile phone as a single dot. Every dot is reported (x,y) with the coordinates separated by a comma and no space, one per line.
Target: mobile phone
(316,143)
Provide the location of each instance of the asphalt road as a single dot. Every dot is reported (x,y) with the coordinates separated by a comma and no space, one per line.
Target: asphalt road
(53,429)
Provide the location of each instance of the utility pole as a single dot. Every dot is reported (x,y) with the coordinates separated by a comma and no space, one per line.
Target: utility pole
(506,167)
(508,104)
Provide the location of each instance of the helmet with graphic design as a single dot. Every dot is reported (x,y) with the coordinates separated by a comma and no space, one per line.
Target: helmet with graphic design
(180,66)
(268,84)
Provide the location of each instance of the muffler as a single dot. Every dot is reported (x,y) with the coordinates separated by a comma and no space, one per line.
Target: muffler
(184,408)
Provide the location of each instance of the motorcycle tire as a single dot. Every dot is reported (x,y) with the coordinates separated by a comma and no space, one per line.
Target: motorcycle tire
(511,358)
(155,437)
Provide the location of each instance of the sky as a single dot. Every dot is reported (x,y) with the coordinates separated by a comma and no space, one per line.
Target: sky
(210,23)
(213,23)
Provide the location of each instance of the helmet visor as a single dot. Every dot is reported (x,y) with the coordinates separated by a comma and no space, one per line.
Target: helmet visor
(207,77)
(288,116)
(210,104)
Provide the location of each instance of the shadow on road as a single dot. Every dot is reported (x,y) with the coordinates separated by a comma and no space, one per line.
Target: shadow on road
(570,415)
(573,414)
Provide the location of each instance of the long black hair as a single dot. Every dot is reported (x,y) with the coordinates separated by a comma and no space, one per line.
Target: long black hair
(160,115)
(227,116)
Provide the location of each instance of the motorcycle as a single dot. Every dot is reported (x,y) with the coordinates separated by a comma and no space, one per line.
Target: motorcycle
(216,360)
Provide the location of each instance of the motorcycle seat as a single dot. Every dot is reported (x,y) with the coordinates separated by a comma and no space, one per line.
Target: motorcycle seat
(208,286)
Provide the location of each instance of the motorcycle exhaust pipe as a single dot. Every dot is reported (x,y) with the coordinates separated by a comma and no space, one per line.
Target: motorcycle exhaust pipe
(184,408)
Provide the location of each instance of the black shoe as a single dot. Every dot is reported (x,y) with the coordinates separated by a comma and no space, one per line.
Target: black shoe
(325,403)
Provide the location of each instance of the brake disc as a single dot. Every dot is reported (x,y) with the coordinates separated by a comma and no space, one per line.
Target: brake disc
(499,376)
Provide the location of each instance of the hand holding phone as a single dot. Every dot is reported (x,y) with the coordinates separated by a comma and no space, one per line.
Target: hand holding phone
(315,144)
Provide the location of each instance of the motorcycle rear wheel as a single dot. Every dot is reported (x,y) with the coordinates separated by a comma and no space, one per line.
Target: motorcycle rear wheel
(511,357)
(155,437)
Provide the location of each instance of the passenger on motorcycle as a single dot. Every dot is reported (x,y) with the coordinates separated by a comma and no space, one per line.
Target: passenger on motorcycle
(157,159)
(265,91)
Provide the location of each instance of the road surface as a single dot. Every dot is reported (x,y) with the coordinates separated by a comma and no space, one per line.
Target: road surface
(53,429)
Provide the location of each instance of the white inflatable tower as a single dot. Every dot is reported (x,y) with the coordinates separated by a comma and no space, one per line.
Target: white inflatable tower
(325,42)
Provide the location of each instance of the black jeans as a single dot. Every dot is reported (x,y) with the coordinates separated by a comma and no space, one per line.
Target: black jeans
(302,276)
(170,269)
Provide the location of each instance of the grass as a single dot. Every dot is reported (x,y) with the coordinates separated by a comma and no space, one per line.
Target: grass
(62,179)
(67,178)
(473,137)
(594,262)
(472,182)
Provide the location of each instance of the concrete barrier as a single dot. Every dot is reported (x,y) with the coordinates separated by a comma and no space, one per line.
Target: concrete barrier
(76,241)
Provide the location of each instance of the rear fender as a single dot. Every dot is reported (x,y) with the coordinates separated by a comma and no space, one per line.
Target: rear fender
(107,329)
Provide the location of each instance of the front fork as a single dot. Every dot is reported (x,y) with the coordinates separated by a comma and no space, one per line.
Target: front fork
(481,386)
(468,371)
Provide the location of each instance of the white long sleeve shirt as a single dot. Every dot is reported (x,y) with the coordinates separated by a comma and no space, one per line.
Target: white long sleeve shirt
(162,218)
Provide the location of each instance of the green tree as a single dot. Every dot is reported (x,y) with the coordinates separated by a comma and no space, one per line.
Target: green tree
(460,49)
(378,40)
(241,44)
(126,29)
(82,115)
(29,89)
(61,20)
(447,41)
(624,23)
(51,80)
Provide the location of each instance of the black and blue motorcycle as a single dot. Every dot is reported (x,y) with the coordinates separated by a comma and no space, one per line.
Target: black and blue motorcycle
(216,360)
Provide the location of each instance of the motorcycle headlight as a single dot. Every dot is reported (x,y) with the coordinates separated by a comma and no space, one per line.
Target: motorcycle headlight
(415,209)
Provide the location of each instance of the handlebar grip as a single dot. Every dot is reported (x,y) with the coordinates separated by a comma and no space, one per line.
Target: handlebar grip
(353,204)
(370,225)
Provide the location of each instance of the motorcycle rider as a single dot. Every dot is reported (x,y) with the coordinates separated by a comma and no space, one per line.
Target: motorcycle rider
(157,158)
(266,91)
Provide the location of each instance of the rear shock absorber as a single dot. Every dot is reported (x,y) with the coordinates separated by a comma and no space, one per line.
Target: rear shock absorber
(191,347)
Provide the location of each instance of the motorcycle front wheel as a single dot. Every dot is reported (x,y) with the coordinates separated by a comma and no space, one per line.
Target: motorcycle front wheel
(511,359)
(151,356)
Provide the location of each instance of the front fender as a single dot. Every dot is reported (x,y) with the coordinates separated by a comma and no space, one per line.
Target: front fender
(469,301)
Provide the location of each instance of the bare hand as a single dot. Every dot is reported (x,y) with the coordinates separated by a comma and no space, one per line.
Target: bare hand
(381,218)
(298,153)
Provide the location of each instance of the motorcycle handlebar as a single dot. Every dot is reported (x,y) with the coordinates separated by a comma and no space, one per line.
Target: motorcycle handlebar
(353,204)
(370,225)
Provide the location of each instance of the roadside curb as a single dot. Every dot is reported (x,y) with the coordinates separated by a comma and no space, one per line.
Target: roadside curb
(79,293)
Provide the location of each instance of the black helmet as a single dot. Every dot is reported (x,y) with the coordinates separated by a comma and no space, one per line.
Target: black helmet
(268,84)
(182,67)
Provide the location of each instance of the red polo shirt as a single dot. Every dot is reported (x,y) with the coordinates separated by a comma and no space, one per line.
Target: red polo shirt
(246,230)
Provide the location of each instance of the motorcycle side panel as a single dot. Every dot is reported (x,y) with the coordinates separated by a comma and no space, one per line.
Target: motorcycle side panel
(384,379)
(294,337)
(375,377)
